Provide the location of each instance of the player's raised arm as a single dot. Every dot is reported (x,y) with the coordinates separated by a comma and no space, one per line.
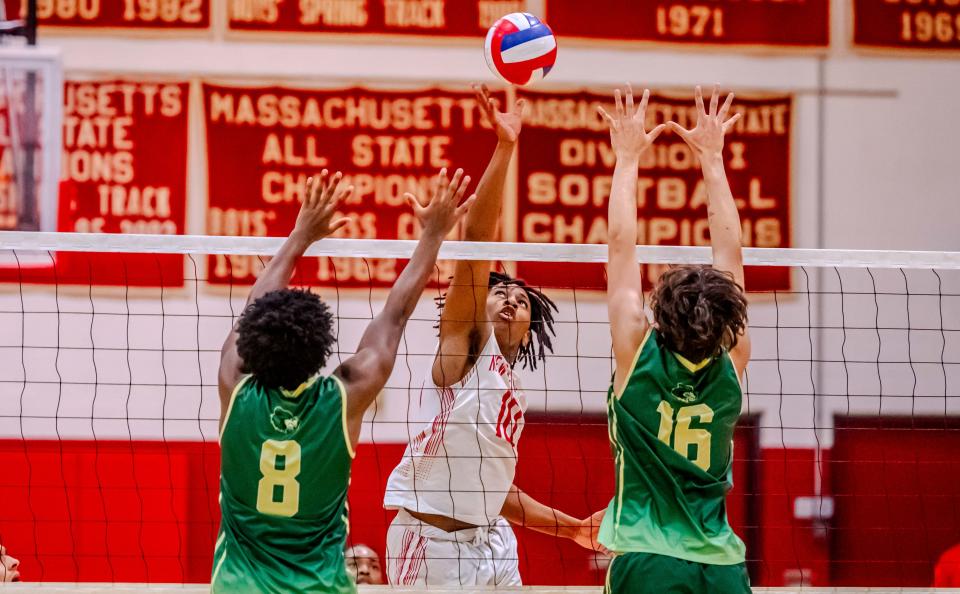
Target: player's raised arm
(706,140)
(365,374)
(316,220)
(629,140)
(463,324)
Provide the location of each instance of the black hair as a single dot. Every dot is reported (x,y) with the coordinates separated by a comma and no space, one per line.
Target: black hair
(699,311)
(285,337)
(541,319)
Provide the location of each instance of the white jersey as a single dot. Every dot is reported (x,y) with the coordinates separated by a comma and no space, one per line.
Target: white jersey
(461,465)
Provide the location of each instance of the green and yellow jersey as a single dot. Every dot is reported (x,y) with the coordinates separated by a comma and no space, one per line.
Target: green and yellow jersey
(285,469)
(671,429)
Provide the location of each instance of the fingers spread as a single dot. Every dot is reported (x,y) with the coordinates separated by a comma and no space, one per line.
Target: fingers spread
(440,182)
(331,186)
(339,224)
(339,197)
(629,99)
(698,97)
(730,123)
(605,115)
(619,102)
(726,107)
(462,189)
(463,208)
(414,203)
(308,192)
(677,128)
(657,132)
(714,99)
(455,181)
(642,110)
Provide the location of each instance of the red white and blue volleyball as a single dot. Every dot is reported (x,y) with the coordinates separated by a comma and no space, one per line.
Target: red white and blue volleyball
(520,48)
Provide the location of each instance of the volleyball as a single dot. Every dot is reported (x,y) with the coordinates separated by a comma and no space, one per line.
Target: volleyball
(520,48)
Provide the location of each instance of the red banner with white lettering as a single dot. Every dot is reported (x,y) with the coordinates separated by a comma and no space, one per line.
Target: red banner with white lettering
(566,167)
(124,170)
(117,14)
(263,143)
(932,25)
(444,18)
(770,23)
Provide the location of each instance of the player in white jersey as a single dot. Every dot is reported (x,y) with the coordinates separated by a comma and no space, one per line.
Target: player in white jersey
(454,485)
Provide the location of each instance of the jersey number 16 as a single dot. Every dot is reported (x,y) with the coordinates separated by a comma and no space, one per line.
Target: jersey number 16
(682,435)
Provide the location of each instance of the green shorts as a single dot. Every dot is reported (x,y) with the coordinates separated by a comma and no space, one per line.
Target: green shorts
(646,573)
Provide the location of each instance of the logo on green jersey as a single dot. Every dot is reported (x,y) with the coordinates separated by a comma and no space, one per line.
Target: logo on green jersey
(283,420)
(684,393)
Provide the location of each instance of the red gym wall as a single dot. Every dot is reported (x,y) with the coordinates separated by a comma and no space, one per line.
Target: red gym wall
(147,511)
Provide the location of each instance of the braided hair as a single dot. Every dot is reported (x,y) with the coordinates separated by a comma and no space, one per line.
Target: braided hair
(542,309)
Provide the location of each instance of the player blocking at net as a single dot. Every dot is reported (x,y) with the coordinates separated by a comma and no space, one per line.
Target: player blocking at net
(676,396)
(287,434)
(454,485)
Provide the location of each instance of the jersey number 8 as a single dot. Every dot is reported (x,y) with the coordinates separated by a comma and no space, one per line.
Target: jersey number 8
(683,436)
(278,492)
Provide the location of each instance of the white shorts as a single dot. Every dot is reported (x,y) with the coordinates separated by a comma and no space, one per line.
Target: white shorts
(424,555)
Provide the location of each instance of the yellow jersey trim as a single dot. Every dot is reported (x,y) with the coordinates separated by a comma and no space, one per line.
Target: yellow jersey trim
(233,398)
(343,416)
(690,365)
(216,571)
(300,389)
(636,357)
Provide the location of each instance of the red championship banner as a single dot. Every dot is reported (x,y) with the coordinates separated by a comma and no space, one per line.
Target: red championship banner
(444,18)
(771,23)
(118,14)
(566,171)
(907,24)
(263,144)
(124,170)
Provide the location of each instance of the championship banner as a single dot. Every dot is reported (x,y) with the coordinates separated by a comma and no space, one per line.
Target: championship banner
(566,170)
(117,14)
(768,23)
(124,170)
(443,18)
(263,143)
(905,24)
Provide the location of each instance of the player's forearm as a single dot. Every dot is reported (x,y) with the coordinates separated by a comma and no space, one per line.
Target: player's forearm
(622,208)
(523,510)
(279,269)
(724,219)
(481,221)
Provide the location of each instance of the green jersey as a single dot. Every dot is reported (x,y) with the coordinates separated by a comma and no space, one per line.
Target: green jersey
(285,468)
(671,430)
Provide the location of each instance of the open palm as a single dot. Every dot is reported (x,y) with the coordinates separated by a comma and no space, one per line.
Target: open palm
(507,123)
(707,136)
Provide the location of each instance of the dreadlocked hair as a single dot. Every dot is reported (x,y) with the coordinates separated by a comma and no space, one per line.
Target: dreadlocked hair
(284,337)
(699,310)
(541,319)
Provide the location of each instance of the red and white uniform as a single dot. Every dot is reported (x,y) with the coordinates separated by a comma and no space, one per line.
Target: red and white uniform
(461,465)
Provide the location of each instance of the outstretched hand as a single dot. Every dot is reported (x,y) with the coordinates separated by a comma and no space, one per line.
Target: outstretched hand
(320,201)
(627,135)
(506,123)
(706,137)
(442,212)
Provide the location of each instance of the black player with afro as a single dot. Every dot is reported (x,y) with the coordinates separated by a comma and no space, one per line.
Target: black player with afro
(285,337)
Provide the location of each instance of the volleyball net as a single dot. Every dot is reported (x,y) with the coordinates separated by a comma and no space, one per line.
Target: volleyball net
(846,455)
